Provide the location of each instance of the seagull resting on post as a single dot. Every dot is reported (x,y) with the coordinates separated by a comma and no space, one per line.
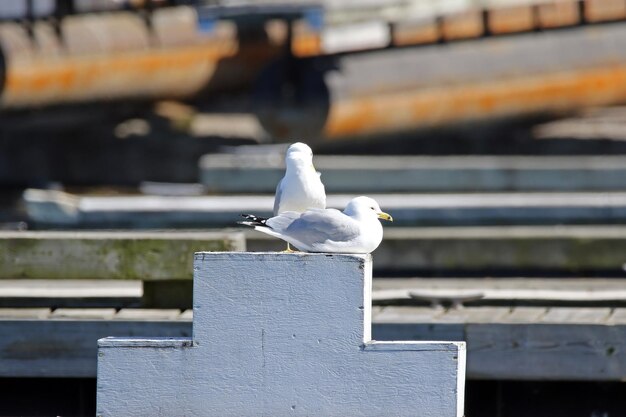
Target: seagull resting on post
(301,188)
(356,229)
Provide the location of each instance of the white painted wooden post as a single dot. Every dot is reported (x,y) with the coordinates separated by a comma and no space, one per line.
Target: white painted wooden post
(280,335)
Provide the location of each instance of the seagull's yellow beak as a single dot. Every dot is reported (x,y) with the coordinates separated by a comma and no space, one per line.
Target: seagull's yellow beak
(313,168)
(384,216)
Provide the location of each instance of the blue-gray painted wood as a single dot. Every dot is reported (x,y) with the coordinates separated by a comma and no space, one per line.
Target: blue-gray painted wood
(516,346)
(280,334)
(67,347)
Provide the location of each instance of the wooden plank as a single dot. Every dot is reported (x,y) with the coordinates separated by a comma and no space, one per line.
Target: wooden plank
(24,313)
(253,173)
(571,249)
(186,315)
(107,255)
(68,348)
(577,315)
(413,323)
(558,14)
(154,314)
(511,19)
(70,293)
(604,10)
(519,346)
(462,25)
(415,32)
(62,288)
(618,316)
(355,36)
(524,315)
(588,285)
(407,209)
(473,315)
(546,352)
(406,314)
(83,313)
(549,291)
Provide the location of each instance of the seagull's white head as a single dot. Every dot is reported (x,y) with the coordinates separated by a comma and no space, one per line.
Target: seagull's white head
(299,154)
(365,207)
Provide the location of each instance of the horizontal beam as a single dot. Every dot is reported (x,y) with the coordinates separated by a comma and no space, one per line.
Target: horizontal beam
(124,255)
(165,295)
(144,256)
(520,344)
(47,207)
(565,249)
(252,173)
(503,291)
(504,343)
(68,347)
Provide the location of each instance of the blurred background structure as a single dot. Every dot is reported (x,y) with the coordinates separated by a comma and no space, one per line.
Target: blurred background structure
(134,132)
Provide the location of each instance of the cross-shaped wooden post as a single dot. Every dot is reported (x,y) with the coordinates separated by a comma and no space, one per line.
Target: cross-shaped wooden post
(280,335)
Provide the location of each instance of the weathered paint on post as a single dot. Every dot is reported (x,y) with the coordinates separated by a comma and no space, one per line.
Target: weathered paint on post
(280,334)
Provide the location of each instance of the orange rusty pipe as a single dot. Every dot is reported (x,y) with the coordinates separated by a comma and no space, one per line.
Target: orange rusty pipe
(151,73)
(425,107)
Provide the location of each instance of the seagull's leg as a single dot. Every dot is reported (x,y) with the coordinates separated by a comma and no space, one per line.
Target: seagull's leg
(289,250)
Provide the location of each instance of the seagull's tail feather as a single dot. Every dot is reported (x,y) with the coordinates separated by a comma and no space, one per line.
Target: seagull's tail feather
(252,220)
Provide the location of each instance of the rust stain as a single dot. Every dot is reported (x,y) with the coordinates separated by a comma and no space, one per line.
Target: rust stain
(558,14)
(420,34)
(604,10)
(306,44)
(462,26)
(176,72)
(509,20)
(428,107)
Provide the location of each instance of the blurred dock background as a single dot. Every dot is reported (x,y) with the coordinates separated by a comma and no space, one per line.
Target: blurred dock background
(134,132)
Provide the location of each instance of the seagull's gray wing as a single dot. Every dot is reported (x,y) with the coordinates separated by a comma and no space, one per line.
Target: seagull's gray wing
(316,226)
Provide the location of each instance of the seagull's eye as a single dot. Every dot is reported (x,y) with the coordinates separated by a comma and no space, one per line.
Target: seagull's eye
(373,208)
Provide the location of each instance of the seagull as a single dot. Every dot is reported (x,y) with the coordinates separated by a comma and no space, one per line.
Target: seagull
(301,188)
(356,229)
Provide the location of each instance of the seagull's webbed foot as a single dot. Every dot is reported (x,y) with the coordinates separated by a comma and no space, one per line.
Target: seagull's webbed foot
(289,250)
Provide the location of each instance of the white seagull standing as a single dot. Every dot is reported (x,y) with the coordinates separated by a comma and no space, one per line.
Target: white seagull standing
(301,188)
(355,230)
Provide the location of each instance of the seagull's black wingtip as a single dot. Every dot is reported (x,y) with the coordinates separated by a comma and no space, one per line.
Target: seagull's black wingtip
(253,220)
